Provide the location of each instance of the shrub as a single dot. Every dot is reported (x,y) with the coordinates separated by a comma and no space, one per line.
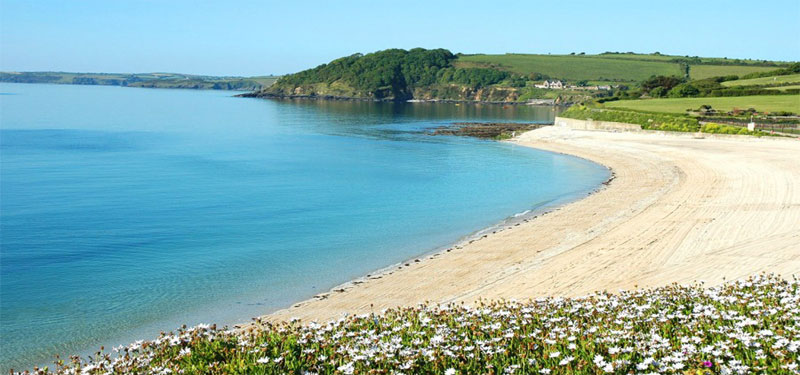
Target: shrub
(714,128)
(683,90)
(652,121)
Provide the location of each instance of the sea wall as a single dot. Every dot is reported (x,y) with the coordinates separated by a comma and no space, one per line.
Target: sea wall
(596,125)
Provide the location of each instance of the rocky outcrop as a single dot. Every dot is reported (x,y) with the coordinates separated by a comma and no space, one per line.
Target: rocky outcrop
(451,92)
(491,94)
(487,130)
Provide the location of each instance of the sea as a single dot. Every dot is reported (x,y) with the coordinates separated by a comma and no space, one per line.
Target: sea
(128,211)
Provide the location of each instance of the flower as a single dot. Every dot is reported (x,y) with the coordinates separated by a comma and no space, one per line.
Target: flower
(450,371)
(708,364)
(348,369)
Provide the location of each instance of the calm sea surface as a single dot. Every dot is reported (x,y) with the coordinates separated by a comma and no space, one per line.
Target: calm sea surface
(127,211)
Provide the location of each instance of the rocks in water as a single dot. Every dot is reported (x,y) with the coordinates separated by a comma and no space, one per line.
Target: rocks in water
(486,130)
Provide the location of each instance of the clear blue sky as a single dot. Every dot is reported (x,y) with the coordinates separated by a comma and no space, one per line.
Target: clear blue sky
(263,37)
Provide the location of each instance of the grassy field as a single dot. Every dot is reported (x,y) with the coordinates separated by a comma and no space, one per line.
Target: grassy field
(610,67)
(708,71)
(696,59)
(791,78)
(769,103)
(638,56)
(574,68)
(784,88)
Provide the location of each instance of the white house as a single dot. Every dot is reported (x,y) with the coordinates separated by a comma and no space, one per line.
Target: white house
(551,85)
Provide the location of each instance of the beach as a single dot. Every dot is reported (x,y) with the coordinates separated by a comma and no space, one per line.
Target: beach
(679,209)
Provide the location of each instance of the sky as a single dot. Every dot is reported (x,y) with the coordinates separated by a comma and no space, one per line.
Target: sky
(247,38)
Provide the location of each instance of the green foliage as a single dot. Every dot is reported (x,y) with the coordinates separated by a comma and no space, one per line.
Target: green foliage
(714,128)
(392,73)
(665,83)
(649,121)
(658,92)
(473,77)
(683,90)
(517,81)
(537,93)
(791,69)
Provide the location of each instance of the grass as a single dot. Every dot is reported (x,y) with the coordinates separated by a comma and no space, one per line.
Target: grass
(784,88)
(575,68)
(703,60)
(708,71)
(640,56)
(776,80)
(762,103)
(748,326)
(265,81)
(612,67)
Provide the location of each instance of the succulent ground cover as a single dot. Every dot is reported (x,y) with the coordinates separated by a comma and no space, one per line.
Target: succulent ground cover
(749,326)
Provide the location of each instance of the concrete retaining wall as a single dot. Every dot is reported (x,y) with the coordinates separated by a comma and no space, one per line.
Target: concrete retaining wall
(596,125)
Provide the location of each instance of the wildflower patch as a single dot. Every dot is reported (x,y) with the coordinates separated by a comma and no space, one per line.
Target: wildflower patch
(748,326)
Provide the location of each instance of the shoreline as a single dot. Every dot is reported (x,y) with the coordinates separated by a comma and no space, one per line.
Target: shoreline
(562,252)
(259,95)
(506,224)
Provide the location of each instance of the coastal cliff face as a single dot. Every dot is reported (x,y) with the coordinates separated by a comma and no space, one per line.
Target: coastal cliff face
(443,92)
(466,93)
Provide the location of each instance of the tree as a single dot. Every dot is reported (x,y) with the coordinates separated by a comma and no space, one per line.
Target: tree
(666,82)
(683,91)
(657,92)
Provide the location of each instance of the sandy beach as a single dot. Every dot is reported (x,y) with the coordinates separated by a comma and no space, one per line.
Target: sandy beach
(679,209)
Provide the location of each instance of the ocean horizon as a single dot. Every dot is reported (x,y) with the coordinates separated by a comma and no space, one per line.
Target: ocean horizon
(128,211)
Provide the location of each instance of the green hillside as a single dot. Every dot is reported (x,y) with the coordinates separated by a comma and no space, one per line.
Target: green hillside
(619,67)
(764,81)
(438,74)
(574,68)
(707,71)
(785,88)
(761,103)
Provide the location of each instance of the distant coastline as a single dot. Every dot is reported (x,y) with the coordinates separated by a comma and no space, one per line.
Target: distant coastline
(147,80)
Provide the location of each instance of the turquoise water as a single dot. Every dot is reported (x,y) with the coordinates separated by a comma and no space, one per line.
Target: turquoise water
(127,211)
